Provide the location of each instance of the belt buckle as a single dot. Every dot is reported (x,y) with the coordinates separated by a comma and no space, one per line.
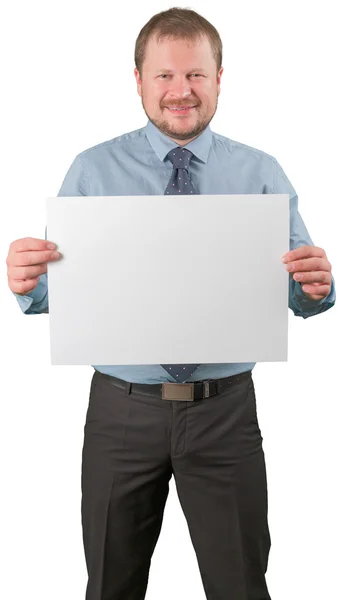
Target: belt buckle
(178,391)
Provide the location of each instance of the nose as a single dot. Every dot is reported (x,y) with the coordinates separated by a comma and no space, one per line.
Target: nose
(180,87)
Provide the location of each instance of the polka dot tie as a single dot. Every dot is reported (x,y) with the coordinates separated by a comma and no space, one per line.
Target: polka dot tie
(180,184)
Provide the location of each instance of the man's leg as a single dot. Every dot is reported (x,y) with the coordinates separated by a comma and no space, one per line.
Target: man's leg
(125,482)
(219,468)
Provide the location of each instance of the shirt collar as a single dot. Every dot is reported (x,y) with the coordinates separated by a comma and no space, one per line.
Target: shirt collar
(162,144)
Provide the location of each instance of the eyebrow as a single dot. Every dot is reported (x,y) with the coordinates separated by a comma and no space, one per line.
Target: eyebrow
(170,71)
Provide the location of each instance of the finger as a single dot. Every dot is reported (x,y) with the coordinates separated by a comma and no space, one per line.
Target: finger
(321,290)
(304,252)
(23,287)
(323,277)
(29,243)
(309,264)
(22,273)
(23,259)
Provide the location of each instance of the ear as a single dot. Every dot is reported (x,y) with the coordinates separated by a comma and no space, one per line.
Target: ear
(219,80)
(138,81)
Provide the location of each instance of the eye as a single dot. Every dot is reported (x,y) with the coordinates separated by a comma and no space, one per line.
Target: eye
(163,75)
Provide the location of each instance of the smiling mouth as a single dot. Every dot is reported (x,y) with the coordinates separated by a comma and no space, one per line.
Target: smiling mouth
(180,109)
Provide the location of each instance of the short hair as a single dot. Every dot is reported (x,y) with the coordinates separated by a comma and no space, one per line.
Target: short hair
(178,23)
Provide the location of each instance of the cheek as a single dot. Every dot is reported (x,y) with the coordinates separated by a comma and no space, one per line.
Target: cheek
(204,93)
(150,97)
(155,94)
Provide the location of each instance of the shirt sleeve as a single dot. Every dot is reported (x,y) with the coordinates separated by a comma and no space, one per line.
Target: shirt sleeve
(75,183)
(299,303)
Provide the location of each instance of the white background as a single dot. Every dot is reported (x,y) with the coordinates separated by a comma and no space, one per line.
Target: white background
(68,84)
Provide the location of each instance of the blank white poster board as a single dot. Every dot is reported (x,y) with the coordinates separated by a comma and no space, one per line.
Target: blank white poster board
(168,279)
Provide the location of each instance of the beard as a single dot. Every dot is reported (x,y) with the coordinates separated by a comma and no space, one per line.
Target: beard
(165,127)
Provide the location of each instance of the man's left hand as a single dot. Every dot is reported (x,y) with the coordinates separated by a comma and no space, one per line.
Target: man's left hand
(309,266)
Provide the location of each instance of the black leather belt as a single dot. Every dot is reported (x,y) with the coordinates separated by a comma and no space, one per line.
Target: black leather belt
(197,390)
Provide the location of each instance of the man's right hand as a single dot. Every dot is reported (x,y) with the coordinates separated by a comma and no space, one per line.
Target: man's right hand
(27,259)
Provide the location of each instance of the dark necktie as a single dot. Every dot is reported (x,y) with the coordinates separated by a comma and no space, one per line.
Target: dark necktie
(180,184)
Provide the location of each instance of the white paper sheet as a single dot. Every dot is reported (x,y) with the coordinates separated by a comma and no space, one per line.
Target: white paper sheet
(168,279)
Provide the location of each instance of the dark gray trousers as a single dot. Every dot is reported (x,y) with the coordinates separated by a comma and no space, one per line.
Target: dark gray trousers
(133,443)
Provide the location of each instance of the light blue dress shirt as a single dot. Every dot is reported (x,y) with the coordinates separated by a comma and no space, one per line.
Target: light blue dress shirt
(135,164)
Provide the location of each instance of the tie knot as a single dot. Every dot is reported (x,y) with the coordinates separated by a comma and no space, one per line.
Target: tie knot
(180,157)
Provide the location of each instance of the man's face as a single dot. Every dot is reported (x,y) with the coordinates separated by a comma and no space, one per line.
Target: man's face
(179,73)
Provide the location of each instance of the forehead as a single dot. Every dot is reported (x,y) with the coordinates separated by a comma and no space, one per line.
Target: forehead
(167,52)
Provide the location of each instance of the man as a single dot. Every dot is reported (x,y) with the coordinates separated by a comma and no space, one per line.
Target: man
(197,422)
